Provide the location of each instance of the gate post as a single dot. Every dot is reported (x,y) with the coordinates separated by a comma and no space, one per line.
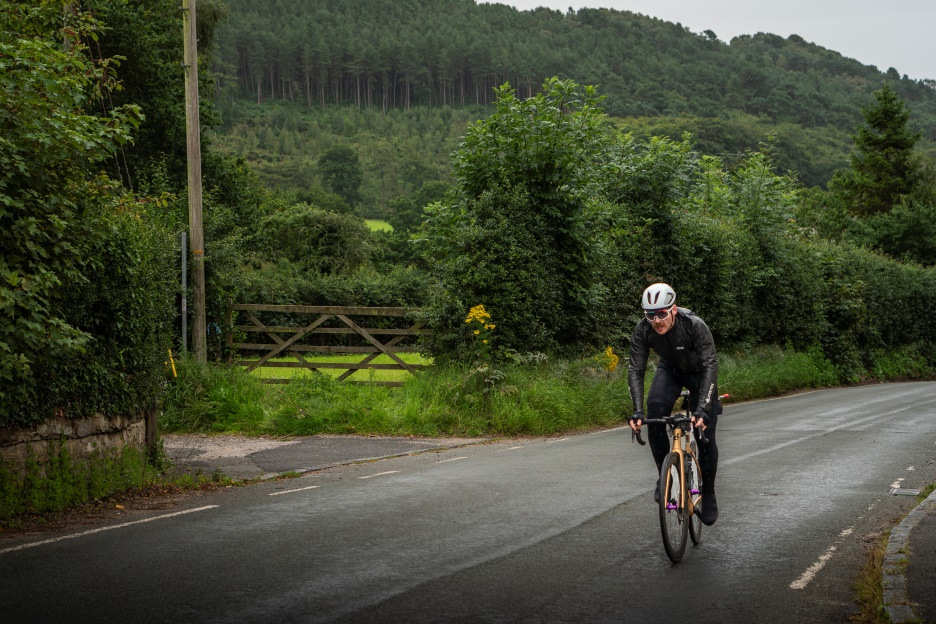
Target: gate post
(151,431)
(229,322)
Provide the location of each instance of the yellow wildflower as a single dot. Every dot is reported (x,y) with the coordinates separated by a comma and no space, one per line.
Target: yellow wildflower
(477,313)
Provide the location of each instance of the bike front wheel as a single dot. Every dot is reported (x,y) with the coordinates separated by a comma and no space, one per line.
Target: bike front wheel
(674,521)
(694,491)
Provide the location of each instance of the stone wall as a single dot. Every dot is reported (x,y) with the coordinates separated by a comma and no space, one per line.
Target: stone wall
(80,436)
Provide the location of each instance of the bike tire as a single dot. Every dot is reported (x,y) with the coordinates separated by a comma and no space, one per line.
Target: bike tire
(674,523)
(694,486)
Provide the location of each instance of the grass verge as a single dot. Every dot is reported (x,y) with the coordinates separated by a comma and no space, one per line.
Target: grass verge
(533,395)
(868,587)
(925,492)
(45,489)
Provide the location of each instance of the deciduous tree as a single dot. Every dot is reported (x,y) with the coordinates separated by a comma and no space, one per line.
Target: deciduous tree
(341,173)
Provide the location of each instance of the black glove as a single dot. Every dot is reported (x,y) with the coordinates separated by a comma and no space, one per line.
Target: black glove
(638,415)
(703,415)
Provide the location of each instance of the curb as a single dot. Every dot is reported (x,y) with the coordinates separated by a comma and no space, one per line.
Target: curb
(894,565)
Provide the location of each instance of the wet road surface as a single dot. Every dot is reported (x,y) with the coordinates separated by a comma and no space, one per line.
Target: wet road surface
(531,530)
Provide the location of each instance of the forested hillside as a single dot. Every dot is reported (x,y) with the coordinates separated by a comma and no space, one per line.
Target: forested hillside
(539,205)
(393,55)
(399,54)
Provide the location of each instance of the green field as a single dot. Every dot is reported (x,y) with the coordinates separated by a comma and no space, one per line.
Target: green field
(378,225)
(361,375)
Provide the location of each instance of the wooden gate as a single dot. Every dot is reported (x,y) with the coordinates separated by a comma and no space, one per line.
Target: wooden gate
(329,325)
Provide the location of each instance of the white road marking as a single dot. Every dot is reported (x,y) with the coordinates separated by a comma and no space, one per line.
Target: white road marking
(107,528)
(559,440)
(811,572)
(777,447)
(442,461)
(910,468)
(514,448)
(311,487)
(379,474)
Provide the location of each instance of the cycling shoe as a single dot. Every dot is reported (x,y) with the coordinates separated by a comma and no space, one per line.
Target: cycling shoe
(709,513)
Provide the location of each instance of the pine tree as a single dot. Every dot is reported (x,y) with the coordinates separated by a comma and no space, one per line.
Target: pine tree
(883,167)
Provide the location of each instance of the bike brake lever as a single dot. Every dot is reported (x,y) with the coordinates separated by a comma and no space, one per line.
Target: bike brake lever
(636,435)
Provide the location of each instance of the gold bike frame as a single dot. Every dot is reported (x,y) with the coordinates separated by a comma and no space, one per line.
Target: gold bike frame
(681,448)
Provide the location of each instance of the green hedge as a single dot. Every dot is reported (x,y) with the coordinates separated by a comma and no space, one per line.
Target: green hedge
(84,299)
(125,308)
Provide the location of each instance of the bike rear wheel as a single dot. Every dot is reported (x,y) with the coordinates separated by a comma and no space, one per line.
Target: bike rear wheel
(694,488)
(674,521)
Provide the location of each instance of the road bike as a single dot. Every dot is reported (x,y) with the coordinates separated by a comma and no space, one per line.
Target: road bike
(680,485)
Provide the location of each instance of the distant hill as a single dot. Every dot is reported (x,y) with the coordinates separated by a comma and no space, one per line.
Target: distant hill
(383,55)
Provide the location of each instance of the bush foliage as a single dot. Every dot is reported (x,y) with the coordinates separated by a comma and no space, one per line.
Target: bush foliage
(555,220)
(83,300)
(558,249)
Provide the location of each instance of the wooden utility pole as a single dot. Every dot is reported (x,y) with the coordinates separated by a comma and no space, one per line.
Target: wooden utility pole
(193,140)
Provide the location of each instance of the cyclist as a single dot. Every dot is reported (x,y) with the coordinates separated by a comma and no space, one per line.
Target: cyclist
(687,360)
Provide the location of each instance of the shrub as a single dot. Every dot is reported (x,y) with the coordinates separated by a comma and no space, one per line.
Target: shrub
(513,236)
(84,268)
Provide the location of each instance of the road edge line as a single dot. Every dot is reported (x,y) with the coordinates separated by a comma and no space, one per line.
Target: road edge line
(101,529)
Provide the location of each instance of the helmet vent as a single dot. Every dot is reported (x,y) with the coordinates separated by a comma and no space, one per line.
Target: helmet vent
(658,296)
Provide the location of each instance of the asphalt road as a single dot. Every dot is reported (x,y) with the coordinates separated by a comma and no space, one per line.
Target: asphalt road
(531,530)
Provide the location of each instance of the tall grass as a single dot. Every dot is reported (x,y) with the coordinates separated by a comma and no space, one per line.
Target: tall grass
(769,371)
(542,397)
(512,399)
(213,397)
(61,482)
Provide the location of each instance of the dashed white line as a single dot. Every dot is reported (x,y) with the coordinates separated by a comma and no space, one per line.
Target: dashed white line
(608,430)
(311,487)
(811,572)
(514,448)
(442,461)
(379,474)
(107,528)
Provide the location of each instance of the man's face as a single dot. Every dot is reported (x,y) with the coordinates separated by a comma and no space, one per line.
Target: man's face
(661,320)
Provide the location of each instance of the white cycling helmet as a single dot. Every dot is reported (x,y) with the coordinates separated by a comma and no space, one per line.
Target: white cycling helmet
(658,297)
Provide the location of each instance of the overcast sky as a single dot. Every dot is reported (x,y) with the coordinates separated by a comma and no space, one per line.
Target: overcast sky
(884,33)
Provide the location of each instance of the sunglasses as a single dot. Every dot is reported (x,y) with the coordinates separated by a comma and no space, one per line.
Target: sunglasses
(657,315)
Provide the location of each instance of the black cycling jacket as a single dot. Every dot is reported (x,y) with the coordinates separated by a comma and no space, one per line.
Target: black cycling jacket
(688,347)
